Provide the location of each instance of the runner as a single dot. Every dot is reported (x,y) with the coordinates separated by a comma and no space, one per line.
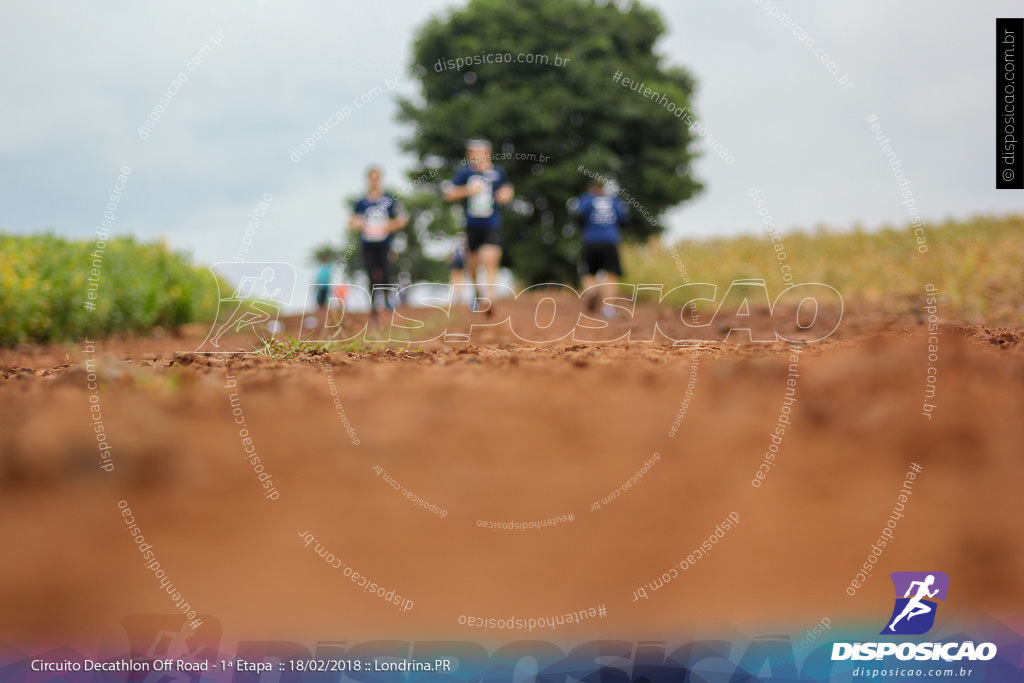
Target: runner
(601,215)
(481,187)
(376,217)
(324,274)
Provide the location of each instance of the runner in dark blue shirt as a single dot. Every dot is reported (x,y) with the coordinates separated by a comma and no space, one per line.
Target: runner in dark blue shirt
(482,188)
(376,217)
(601,215)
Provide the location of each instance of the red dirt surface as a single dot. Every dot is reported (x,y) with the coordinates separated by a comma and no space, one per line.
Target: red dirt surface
(500,430)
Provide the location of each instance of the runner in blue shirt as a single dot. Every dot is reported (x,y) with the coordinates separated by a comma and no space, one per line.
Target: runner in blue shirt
(482,188)
(376,217)
(601,215)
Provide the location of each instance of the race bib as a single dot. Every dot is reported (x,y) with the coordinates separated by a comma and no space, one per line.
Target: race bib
(480,204)
(604,211)
(375,227)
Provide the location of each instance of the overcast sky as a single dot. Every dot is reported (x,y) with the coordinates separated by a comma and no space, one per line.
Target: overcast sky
(79,80)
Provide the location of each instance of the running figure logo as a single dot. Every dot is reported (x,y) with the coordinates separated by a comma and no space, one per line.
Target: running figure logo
(254,303)
(914,612)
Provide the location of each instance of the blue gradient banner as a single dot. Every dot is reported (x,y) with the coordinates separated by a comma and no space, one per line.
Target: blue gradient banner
(161,648)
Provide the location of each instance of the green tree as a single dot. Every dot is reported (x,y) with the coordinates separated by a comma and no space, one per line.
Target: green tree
(564,113)
(430,225)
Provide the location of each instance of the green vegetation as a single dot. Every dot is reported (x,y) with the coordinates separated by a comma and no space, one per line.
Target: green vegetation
(976,265)
(45,285)
(535,77)
(291,347)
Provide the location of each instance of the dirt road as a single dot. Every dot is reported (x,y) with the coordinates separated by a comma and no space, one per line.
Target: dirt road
(280,496)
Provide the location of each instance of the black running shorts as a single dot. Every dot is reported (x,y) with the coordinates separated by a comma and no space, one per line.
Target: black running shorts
(477,237)
(598,256)
(377,263)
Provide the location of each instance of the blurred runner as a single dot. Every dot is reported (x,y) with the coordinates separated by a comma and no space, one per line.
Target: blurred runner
(457,264)
(601,214)
(481,187)
(404,283)
(324,274)
(322,290)
(377,216)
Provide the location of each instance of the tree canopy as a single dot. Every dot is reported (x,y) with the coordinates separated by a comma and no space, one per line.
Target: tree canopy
(535,78)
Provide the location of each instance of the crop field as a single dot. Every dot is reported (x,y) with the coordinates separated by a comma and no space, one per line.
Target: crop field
(55,289)
(976,264)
